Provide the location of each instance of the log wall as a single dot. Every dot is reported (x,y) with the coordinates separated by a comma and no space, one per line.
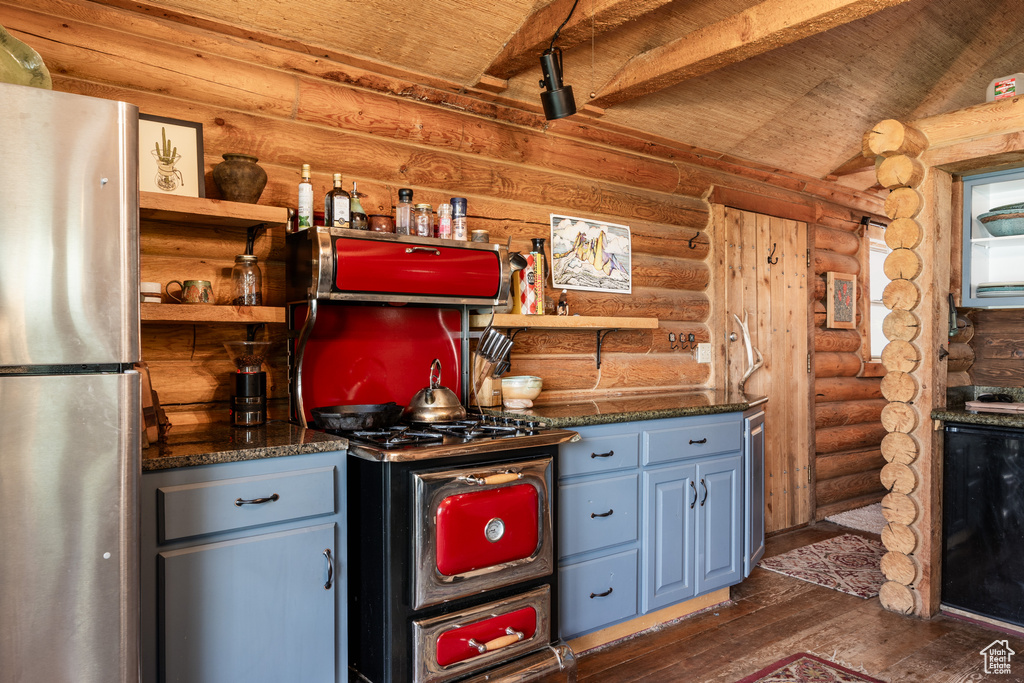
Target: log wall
(288,105)
(847,406)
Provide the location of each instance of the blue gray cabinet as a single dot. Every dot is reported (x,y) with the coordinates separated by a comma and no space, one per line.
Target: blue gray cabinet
(651,513)
(243,571)
(753,485)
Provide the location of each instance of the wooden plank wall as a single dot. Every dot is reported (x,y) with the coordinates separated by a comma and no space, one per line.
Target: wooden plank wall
(848,407)
(289,106)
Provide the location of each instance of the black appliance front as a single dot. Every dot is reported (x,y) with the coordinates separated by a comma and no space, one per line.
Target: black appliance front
(983,522)
(383,557)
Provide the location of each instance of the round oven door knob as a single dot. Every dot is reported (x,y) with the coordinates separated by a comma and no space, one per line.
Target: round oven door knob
(494,530)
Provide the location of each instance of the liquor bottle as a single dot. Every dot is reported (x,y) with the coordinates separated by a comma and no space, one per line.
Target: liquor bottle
(305,200)
(359,221)
(403,212)
(337,209)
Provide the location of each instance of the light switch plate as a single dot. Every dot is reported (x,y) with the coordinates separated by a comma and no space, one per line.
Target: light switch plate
(704,353)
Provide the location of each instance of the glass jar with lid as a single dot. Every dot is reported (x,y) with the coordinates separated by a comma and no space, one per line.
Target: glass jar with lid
(246,281)
(423,220)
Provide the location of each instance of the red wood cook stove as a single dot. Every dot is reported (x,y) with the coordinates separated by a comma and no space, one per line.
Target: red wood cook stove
(452,570)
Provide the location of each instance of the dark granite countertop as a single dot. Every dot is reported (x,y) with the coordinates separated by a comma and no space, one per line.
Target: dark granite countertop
(188,446)
(639,407)
(956,397)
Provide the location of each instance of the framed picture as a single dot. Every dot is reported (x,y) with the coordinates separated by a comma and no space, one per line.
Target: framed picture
(840,300)
(590,255)
(171,156)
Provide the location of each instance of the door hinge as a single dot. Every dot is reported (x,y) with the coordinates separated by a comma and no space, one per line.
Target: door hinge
(808,258)
(808,362)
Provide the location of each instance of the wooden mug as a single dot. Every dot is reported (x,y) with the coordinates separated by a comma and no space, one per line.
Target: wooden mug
(192,291)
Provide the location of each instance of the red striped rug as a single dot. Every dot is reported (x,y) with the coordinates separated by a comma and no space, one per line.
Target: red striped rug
(806,668)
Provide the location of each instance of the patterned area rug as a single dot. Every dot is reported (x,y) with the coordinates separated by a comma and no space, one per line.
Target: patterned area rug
(868,518)
(805,668)
(846,563)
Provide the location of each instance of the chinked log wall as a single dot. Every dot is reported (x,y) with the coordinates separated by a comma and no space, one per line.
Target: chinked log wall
(275,99)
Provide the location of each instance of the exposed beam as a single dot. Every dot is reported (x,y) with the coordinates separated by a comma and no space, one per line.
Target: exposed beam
(522,51)
(758,29)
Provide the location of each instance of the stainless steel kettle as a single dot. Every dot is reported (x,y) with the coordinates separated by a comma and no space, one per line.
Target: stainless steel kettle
(434,403)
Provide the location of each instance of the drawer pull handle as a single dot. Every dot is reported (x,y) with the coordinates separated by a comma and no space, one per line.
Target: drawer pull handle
(694,487)
(429,250)
(511,636)
(602,514)
(705,487)
(704,440)
(602,455)
(601,595)
(256,501)
(330,569)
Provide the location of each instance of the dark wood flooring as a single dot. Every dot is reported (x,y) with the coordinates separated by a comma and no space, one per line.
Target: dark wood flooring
(772,616)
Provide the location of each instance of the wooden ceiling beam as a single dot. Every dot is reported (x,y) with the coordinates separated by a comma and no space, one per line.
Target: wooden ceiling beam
(764,27)
(522,51)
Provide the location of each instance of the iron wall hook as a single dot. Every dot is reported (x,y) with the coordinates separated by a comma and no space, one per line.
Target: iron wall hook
(773,261)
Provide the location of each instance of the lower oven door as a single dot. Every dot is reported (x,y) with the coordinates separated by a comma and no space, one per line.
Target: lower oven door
(454,645)
(481,528)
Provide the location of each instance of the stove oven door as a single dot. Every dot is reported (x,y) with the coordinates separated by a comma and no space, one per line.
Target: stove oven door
(481,528)
(454,645)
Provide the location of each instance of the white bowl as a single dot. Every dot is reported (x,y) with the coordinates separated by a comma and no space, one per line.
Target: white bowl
(521,387)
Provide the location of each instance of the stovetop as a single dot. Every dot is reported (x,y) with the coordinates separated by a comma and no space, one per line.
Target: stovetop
(476,434)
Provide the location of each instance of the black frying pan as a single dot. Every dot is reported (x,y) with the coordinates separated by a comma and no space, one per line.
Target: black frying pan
(369,417)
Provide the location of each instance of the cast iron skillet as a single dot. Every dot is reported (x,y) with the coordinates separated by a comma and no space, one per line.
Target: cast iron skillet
(370,417)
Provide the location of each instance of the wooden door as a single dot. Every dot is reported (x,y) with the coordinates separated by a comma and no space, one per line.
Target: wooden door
(774,295)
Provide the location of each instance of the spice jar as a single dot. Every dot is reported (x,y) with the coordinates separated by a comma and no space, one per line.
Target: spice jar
(444,221)
(246,282)
(423,220)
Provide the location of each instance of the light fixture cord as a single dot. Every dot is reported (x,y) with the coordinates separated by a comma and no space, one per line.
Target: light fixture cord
(559,30)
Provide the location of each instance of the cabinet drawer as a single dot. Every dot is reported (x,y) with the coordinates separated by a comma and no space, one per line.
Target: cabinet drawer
(599,454)
(596,514)
(212,506)
(691,440)
(596,592)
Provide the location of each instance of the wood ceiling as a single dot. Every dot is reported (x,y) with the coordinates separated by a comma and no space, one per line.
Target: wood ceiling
(791,84)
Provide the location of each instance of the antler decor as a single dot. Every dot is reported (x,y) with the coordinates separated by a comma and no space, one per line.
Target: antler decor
(751,365)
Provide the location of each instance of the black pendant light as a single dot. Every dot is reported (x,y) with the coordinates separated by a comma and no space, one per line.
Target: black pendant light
(556,99)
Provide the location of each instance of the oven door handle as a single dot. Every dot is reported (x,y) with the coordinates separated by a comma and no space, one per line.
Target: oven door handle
(491,479)
(428,250)
(511,637)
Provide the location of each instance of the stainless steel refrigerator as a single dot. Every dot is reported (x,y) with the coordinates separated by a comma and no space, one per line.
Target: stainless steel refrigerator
(69,399)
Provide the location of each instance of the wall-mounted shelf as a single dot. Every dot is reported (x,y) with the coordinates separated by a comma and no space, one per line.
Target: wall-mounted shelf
(210,313)
(213,213)
(601,325)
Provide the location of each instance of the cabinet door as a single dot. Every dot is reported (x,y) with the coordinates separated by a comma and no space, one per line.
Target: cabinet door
(719,523)
(753,485)
(252,609)
(670,496)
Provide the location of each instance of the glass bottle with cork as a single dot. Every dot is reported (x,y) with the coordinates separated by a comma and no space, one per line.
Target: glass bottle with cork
(337,206)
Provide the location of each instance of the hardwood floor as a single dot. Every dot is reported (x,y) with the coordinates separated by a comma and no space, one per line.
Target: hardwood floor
(772,616)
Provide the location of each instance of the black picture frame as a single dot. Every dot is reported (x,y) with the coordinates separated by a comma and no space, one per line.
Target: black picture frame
(184,175)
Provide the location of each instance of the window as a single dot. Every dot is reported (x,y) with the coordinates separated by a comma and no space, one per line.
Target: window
(877,281)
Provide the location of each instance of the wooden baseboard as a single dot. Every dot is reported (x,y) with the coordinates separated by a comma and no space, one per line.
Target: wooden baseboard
(634,626)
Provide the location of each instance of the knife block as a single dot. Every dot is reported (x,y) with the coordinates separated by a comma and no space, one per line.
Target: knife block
(486,389)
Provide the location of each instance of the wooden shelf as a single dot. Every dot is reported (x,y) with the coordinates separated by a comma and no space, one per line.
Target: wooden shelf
(214,213)
(210,313)
(563,322)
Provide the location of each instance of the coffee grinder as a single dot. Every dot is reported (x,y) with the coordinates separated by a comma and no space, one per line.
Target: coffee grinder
(249,399)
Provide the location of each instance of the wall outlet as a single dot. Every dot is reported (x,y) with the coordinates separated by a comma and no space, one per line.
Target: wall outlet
(704,353)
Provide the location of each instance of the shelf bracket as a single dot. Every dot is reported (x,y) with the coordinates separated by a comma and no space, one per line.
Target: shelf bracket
(600,341)
(512,332)
(252,232)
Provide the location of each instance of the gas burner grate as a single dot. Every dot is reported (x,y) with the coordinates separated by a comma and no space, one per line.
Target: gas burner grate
(401,435)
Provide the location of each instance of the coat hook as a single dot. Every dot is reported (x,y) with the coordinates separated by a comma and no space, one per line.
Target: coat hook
(773,261)
(691,243)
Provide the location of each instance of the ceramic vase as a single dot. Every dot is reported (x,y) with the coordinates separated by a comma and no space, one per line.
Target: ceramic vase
(239,178)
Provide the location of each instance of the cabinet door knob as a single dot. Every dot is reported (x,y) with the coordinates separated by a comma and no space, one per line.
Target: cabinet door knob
(256,501)
(602,455)
(601,595)
(694,487)
(705,487)
(601,514)
(330,569)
